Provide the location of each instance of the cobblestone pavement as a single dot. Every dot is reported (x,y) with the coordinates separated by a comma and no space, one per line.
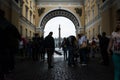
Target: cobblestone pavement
(29,70)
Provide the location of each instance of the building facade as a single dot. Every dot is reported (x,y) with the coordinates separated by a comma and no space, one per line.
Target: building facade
(100,16)
(91,17)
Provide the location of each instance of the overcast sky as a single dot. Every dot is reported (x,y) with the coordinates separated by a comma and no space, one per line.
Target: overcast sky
(66,25)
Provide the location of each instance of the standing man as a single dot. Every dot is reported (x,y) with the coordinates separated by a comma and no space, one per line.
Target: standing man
(104,45)
(36,46)
(49,47)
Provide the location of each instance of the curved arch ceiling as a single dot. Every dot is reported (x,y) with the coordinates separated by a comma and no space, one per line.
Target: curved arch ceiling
(56,13)
(59,1)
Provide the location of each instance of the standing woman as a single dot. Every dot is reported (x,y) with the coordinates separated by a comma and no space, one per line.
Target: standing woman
(64,48)
(114,44)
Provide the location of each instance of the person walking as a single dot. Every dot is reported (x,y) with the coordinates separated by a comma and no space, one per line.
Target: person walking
(114,45)
(93,47)
(50,48)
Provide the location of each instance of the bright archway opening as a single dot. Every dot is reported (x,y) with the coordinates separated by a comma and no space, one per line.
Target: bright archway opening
(67,29)
(66,25)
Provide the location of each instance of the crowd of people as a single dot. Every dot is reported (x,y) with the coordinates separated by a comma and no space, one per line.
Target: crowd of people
(73,47)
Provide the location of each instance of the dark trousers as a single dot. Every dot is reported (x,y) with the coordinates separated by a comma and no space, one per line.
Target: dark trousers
(35,54)
(49,57)
(83,55)
(105,57)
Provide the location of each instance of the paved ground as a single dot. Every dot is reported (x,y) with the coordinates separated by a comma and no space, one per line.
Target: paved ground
(29,70)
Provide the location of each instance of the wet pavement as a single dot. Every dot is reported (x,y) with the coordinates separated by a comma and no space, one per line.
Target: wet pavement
(28,70)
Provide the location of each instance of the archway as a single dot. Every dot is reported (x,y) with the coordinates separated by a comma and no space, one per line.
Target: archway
(63,13)
(67,27)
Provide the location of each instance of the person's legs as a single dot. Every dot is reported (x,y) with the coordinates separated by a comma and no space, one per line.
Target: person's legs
(65,55)
(116,61)
(49,59)
(84,54)
(69,58)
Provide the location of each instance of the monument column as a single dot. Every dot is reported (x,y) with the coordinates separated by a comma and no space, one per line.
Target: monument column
(59,36)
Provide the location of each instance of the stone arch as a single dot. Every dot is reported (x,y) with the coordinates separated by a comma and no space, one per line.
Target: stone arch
(63,13)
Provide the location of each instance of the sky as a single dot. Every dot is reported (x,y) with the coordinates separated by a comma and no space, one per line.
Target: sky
(66,25)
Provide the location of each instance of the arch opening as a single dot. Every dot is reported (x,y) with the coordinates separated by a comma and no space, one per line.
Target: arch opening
(67,27)
(60,13)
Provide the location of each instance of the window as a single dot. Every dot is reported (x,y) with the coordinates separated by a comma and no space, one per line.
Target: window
(30,16)
(33,19)
(21,30)
(88,15)
(26,12)
(30,4)
(98,6)
(26,33)
(30,34)
(93,12)
(99,29)
(93,32)
(89,34)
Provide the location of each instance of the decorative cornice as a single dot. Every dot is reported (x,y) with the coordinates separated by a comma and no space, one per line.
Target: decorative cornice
(57,2)
(27,22)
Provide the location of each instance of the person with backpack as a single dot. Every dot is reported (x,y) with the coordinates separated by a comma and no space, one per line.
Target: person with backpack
(72,45)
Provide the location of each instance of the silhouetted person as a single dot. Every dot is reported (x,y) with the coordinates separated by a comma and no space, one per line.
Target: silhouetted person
(42,49)
(82,42)
(36,45)
(29,48)
(100,46)
(64,48)
(72,45)
(93,47)
(8,45)
(104,46)
(49,47)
